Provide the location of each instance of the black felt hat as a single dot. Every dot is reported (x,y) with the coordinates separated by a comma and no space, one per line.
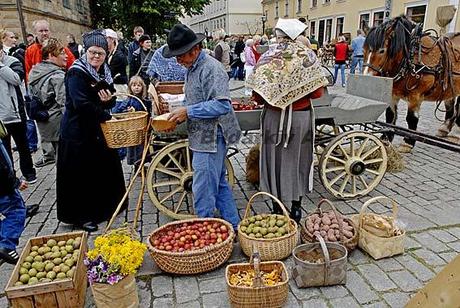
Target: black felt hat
(180,40)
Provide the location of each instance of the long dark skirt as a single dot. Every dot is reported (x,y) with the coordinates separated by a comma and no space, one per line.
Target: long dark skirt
(286,173)
(89,182)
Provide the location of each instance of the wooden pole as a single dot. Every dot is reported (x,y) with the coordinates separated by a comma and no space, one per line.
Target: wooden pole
(21,20)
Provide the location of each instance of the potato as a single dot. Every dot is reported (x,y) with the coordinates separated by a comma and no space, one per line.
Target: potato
(325,228)
(323,233)
(347,234)
(326,220)
(316,227)
(334,226)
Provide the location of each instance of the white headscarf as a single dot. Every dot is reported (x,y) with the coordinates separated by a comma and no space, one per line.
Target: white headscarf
(291,27)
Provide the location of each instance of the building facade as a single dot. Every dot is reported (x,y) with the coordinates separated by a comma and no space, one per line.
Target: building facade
(234,16)
(326,19)
(64,16)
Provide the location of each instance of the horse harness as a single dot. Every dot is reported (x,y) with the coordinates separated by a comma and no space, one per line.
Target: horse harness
(443,71)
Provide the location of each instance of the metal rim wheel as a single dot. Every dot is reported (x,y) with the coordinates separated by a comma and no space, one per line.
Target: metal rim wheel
(169,180)
(353,164)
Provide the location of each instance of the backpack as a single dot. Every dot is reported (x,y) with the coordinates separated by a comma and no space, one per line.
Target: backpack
(36,110)
(243,57)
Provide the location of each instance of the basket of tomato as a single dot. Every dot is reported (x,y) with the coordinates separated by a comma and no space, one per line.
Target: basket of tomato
(192,246)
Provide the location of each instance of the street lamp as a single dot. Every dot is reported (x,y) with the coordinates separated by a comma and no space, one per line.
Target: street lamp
(264,19)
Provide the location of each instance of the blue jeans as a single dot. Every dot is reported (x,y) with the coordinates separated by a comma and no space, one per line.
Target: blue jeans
(356,61)
(210,187)
(32,137)
(342,72)
(12,214)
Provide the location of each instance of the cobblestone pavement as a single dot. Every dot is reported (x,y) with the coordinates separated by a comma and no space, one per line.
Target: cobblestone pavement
(427,191)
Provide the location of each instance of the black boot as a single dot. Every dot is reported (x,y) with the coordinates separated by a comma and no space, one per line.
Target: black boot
(296,211)
(277,209)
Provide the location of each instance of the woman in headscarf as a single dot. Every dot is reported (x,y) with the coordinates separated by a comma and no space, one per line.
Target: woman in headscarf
(286,77)
(90,181)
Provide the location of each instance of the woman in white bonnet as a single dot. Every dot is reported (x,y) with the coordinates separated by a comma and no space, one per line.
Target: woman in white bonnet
(286,77)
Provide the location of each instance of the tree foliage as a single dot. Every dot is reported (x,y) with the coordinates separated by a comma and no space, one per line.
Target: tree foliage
(153,15)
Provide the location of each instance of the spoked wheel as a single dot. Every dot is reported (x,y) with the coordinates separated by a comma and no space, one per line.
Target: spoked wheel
(353,164)
(170,178)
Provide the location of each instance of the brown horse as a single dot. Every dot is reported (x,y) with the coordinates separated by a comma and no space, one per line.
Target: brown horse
(424,68)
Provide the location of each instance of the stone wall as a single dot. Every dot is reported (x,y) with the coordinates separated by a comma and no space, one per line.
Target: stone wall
(72,18)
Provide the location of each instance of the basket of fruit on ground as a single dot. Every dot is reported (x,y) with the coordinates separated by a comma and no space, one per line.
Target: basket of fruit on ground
(192,246)
(331,225)
(50,271)
(243,292)
(274,236)
(319,264)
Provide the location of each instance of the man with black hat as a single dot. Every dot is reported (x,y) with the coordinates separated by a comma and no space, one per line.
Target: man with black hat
(211,123)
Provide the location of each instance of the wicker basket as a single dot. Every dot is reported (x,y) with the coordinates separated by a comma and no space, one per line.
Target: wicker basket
(128,129)
(192,262)
(308,237)
(376,246)
(274,248)
(161,106)
(264,297)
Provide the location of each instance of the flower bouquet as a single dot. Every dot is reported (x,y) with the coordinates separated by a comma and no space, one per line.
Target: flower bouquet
(111,266)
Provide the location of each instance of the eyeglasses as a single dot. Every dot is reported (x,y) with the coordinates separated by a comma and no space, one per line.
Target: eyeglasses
(96,53)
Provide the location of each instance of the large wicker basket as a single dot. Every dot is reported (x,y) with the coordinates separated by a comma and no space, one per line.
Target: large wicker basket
(308,237)
(127,129)
(274,248)
(263,297)
(192,262)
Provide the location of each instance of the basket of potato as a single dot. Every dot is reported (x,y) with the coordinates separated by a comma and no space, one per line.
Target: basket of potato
(331,225)
(274,236)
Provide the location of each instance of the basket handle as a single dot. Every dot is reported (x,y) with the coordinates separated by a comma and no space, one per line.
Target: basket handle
(339,222)
(325,252)
(372,200)
(133,96)
(261,193)
(156,101)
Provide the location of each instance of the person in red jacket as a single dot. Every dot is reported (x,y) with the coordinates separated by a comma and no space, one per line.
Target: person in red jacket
(340,54)
(34,51)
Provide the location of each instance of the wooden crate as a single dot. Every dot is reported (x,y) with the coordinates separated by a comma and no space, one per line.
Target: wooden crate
(174,87)
(60,293)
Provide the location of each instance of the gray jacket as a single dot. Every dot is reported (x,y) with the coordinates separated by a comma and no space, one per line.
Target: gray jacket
(46,81)
(206,80)
(9,80)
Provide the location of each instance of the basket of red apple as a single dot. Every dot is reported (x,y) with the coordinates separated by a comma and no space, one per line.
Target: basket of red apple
(192,246)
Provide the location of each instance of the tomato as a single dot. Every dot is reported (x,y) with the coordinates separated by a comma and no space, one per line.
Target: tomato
(194,237)
(168,247)
(224,236)
(223,228)
(219,240)
(213,236)
(156,242)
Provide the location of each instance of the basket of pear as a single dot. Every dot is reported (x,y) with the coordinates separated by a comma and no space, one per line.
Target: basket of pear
(274,236)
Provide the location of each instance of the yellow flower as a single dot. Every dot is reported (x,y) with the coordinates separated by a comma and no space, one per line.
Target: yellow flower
(120,251)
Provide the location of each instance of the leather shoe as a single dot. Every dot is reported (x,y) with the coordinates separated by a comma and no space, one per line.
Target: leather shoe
(90,226)
(296,211)
(277,209)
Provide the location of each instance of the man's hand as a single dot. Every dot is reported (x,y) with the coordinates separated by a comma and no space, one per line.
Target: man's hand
(178,115)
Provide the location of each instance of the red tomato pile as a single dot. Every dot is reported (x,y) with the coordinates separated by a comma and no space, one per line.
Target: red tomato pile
(240,107)
(191,236)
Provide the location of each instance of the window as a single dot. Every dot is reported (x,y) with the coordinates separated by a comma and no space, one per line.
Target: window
(416,13)
(327,1)
(299,6)
(66,3)
(364,21)
(339,26)
(286,8)
(79,6)
(378,19)
(312,28)
(328,30)
(277,9)
(314,3)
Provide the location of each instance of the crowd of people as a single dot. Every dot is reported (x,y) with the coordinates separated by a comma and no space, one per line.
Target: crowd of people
(65,90)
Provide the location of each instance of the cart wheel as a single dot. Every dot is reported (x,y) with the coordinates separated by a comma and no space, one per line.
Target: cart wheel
(169,180)
(353,164)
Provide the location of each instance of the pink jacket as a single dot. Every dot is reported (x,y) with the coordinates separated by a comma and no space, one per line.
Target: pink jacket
(249,55)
